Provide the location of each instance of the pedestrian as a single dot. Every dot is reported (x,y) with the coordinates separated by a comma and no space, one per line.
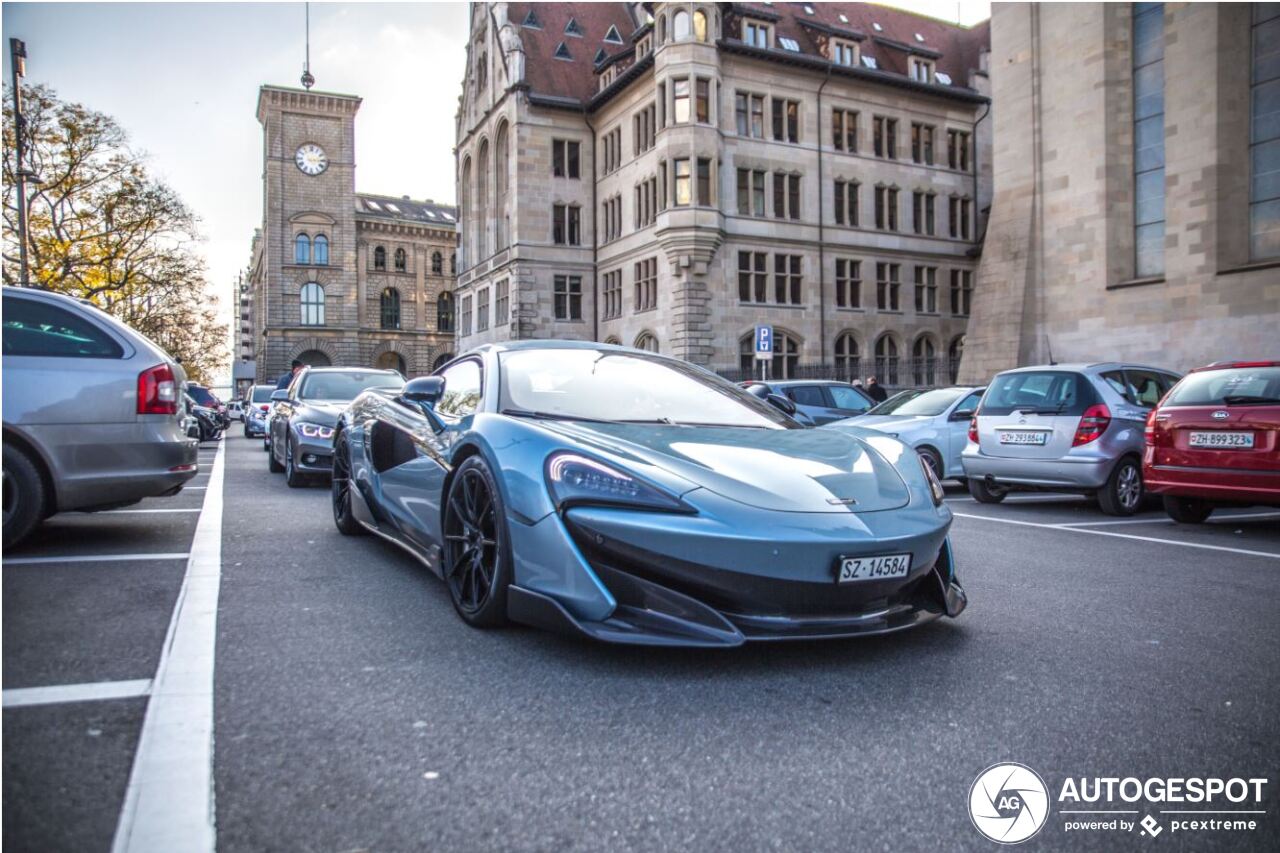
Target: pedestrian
(876,390)
(288,377)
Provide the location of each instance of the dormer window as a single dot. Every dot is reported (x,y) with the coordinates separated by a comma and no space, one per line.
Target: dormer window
(531,21)
(562,52)
(755,33)
(601,56)
(612,36)
(572,28)
(844,53)
(789,44)
(921,70)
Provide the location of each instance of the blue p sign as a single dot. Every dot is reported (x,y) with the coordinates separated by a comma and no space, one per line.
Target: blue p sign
(764,341)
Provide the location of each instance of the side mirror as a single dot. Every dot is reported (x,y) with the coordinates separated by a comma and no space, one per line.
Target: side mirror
(279,395)
(962,414)
(782,403)
(424,391)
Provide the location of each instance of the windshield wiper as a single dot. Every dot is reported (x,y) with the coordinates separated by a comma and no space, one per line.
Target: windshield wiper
(553,416)
(1248,400)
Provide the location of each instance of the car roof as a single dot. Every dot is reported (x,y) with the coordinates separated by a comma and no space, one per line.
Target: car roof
(350,370)
(1089,367)
(784,383)
(1227,365)
(555,343)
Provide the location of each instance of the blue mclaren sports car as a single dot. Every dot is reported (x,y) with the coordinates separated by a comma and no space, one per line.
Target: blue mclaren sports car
(634,498)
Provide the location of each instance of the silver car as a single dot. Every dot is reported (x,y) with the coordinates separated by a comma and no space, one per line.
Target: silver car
(257,403)
(1065,427)
(92,414)
(935,423)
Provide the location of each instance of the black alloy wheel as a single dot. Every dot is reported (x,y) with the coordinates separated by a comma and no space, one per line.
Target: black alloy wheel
(933,460)
(340,489)
(476,549)
(1123,493)
(984,494)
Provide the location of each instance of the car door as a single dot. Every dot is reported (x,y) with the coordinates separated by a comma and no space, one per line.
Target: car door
(957,430)
(810,400)
(846,401)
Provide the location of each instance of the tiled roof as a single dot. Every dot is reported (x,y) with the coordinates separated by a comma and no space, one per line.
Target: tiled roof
(406,209)
(574,78)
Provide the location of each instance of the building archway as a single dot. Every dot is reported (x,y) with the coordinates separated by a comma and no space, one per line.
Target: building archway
(392,360)
(441,360)
(314,358)
(317,352)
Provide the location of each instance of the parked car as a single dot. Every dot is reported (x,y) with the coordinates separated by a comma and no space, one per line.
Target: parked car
(935,423)
(207,422)
(206,398)
(1215,439)
(820,401)
(306,412)
(235,410)
(256,405)
(1065,427)
(92,418)
(634,498)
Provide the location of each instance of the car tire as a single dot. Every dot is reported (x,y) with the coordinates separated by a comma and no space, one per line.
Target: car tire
(340,489)
(474,515)
(24,496)
(932,459)
(1187,510)
(272,465)
(984,494)
(292,478)
(1123,493)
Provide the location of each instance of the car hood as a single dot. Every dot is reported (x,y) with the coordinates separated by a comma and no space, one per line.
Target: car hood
(792,470)
(322,412)
(885,423)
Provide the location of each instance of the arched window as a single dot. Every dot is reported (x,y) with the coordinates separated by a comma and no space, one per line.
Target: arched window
(848,357)
(390,308)
(614,340)
(321,256)
(924,360)
(391,360)
(680,26)
(314,358)
(954,353)
(437,263)
(887,360)
(700,25)
(501,164)
(444,312)
(453,264)
(662,29)
(302,249)
(647,342)
(482,204)
(379,258)
(465,213)
(786,356)
(402,261)
(312,304)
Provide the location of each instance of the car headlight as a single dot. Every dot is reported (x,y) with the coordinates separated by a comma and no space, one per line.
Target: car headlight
(935,485)
(574,479)
(315,431)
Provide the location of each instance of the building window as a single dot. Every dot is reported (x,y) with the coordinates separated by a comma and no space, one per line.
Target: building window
(379,258)
(961,292)
(922,212)
(887,360)
(568,297)
(482,310)
(958,150)
(885,137)
(390,305)
(302,249)
(320,255)
(755,33)
(844,130)
(888,285)
(565,158)
(924,361)
(954,353)
(926,290)
(437,263)
(680,26)
(566,224)
(501,303)
(1148,138)
(751,192)
(848,283)
(844,53)
(683,194)
(699,32)
(887,208)
(644,128)
(786,355)
(922,143)
(753,277)
(1264,137)
(646,284)
(787,282)
(444,312)
(312,297)
(921,70)
(706,197)
(848,358)
(961,210)
(612,295)
(703,104)
(464,319)
(786,120)
(646,202)
(846,202)
(680,100)
(611,211)
(786,196)
(401,260)
(749,110)
(647,342)
(611,145)
(453,263)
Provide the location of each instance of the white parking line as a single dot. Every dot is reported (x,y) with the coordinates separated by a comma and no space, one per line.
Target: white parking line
(169,802)
(24,697)
(96,558)
(1217,519)
(1067,529)
(129,511)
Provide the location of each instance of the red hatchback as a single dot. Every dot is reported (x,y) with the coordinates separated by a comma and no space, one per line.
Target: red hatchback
(1215,439)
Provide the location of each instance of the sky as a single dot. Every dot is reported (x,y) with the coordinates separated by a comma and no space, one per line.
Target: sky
(183,78)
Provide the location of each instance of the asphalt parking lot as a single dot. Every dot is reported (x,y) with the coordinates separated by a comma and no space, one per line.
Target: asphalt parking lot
(352,709)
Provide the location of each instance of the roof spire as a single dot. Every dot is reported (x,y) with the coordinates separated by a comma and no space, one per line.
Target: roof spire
(307,79)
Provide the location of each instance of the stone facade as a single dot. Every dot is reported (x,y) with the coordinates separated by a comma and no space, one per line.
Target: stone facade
(677,263)
(384,296)
(1059,278)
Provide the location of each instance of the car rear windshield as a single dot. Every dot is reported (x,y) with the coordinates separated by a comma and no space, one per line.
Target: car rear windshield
(203,396)
(345,385)
(1045,392)
(921,403)
(262,393)
(1231,386)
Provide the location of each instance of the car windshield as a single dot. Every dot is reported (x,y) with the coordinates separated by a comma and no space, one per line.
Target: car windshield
(1042,392)
(262,393)
(203,396)
(606,385)
(346,384)
(920,403)
(1232,386)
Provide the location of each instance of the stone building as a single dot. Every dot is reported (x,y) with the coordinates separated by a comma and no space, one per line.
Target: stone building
(1137,186)
(336,276)
(670,175)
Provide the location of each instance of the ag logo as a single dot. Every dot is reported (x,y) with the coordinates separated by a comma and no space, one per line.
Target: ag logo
(1008,803)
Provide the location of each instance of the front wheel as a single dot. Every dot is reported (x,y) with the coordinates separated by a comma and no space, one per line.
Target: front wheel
(984,494)
(1122,493)
(1187,510)
(932,459)
(292,477)
(340,489)
(477,550)
(23,496)
(272,465)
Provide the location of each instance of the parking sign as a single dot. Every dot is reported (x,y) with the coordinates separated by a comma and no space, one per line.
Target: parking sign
(764,342)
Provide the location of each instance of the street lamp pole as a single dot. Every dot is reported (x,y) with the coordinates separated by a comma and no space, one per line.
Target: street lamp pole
(18,57)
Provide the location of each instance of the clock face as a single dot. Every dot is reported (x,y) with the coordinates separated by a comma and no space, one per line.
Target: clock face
(311,159)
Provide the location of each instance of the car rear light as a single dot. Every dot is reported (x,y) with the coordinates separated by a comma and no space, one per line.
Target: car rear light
(1093,423)
(263,407)
(1149,431)
(157,391)
(973,429)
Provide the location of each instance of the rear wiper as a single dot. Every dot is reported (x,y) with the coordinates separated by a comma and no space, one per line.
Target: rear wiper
(1248,400)
(553,416)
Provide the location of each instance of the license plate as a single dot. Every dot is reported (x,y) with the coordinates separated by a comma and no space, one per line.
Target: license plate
(1222,439)
(1010,437)
(873,568)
